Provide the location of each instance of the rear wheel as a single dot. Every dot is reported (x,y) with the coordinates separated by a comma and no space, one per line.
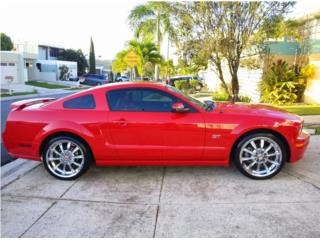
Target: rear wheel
(260,155)
(66,158)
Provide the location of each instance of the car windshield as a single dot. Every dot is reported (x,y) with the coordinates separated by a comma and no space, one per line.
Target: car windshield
(191,99)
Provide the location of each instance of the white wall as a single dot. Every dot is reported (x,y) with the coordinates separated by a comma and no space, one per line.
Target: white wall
(11,66)
(248,81)
(46,76)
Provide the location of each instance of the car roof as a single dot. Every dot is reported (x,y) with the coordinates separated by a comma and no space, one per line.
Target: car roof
(119,85)
(107,87)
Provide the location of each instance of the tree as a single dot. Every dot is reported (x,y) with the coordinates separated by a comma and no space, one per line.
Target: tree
(167,69)
(92,58)
(6,43)
(152,18)
(148,55)
(75,56)
(118,64)
(222,31)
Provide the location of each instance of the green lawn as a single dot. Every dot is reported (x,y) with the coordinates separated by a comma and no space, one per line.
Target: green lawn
(201,94)
(18,94)
(302,109)
(46,85)
(317,130)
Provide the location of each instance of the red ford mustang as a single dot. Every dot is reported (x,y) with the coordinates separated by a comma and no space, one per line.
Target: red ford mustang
(151,124)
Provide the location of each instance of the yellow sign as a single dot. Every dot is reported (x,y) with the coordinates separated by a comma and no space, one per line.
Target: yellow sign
(131,59)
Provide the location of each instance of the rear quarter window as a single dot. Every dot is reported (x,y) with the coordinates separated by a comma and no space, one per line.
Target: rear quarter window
(83,102)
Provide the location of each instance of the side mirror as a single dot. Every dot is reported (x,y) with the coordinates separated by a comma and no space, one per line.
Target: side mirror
(209,103)
(179,107)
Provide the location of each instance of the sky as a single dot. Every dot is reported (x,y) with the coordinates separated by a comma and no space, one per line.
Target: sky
(70,23)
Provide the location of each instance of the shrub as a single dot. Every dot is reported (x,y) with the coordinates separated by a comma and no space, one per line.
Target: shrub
(304,74)
(220,96)
(246,99)
(181,85)
(308,71)
(194,83)
(280,85)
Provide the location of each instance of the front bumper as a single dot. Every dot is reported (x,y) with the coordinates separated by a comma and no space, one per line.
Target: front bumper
(299,146)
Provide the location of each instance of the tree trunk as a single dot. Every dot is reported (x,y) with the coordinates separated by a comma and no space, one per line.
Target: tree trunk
(216,61)
(235,87)
(156,67)
(233,69)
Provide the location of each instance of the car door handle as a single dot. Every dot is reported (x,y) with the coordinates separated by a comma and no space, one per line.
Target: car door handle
(121,122)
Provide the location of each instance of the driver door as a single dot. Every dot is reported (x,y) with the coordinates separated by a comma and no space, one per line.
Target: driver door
(142,126)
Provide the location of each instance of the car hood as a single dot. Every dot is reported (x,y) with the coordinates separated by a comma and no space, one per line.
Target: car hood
(256,110)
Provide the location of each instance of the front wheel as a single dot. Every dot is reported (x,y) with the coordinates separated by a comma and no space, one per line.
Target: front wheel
(66,158)
(260,155)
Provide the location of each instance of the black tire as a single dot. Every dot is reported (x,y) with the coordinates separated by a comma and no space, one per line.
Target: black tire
(280,153)
(83,149)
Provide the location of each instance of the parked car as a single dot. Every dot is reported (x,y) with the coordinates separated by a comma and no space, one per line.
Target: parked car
(151,124)
(122,79)
(185,78)
(74,79)
(93,79)
(144,79)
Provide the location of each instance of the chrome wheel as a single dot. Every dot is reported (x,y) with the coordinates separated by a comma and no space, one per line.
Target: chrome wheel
(65,158)
(260,156)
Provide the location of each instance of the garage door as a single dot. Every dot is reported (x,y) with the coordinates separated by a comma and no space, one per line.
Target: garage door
(8,69)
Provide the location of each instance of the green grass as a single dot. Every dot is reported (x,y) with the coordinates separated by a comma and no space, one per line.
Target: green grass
(46,85)
(18,94)
(302,109)
(202,94)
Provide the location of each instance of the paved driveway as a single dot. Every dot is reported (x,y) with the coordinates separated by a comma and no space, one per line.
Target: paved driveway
(166,202)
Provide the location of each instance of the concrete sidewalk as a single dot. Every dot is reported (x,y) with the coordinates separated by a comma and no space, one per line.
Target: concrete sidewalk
(312,119)
(166,202)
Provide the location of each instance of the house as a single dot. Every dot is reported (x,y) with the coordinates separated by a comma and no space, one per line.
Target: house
(49,51)
(31,61)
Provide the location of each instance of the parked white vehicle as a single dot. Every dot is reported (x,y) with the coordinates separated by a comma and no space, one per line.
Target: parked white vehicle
(122,79)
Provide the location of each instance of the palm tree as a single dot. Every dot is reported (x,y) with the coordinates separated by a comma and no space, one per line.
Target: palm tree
(152,18)
(148,54)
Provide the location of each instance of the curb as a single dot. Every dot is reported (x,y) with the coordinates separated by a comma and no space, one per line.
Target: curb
(16,169)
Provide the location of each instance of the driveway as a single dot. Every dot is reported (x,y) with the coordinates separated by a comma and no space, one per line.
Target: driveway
(166,202)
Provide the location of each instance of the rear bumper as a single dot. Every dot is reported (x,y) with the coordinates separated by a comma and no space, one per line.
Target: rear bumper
(20,149)
(299,146)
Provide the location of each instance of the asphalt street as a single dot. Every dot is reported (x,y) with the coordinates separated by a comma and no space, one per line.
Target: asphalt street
(5,109)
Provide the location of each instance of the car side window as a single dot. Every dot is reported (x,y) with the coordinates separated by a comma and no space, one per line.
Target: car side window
(141,100)
(83,102)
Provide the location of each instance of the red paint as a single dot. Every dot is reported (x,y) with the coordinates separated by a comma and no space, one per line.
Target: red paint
(147,138)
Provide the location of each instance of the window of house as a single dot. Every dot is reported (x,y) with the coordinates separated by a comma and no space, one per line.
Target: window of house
(3,64)
(142,100)
(12,64)
(83,102)
(54,52)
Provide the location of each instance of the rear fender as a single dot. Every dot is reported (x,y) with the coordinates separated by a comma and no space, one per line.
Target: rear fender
(64,126)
